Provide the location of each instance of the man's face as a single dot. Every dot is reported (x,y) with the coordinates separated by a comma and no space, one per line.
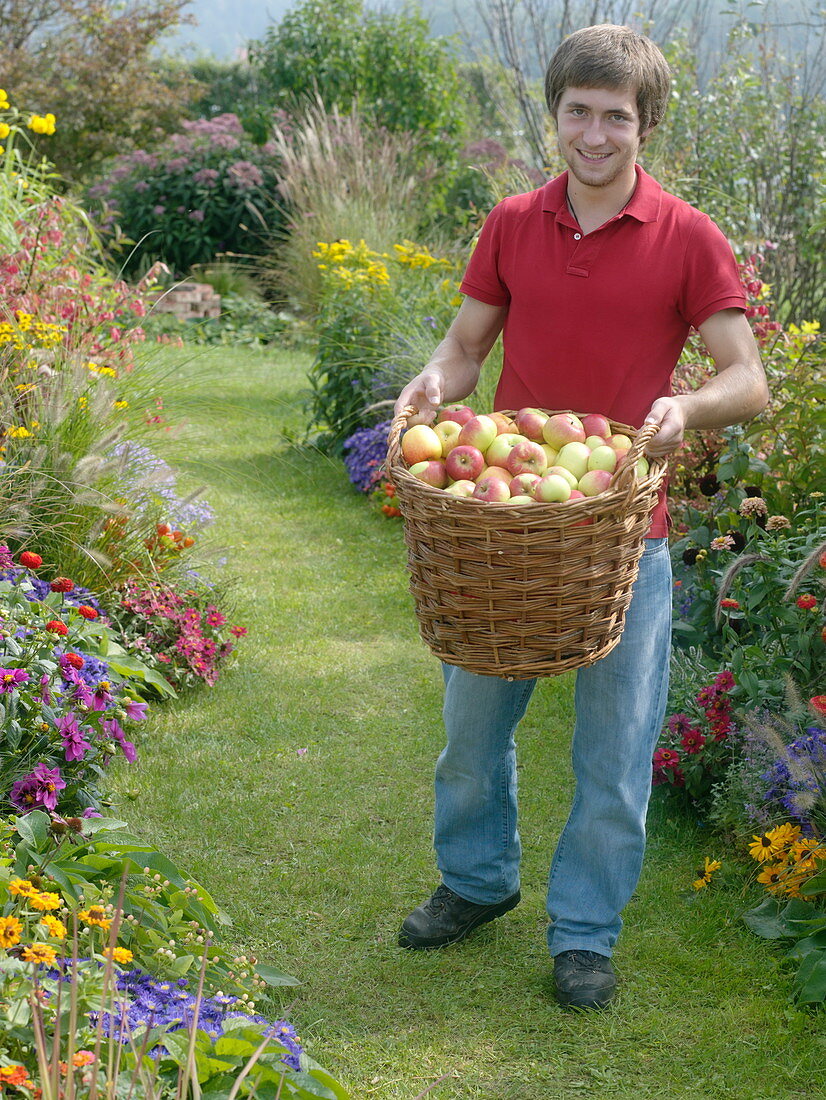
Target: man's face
(598,131)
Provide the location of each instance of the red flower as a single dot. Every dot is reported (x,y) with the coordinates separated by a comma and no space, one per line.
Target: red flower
(822,560)
(692,741)
(818,702)
(30,560)
(74,659)
(62,584)
(730,605)
(806,602)
(87,612)
(238,631)
(55,626)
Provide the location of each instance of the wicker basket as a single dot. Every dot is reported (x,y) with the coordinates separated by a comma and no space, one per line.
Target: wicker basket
(524,590)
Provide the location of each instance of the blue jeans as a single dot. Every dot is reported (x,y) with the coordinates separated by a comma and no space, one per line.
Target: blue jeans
(620,705)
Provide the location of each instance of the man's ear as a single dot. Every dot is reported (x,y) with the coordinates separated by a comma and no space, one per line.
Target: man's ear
(645,134)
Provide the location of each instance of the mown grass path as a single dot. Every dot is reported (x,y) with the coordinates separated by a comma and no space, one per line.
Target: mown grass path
(317,855)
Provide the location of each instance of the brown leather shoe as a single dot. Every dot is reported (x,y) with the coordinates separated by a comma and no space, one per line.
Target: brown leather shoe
(446,918)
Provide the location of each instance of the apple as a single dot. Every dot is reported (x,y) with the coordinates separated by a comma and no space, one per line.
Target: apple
(552,487)
(448,432)
(420,443)
(464,463)
(497,453)
(479,431)
(594,441)
(550,453)
(492,489)
(603,458)
(576,494)
(496,471)
(562,428)
(459,414)
(461,488)
(527,457)
(619,442)
(503,423)
(594,482)
(431,472)
(596,424)
(522,484)
(530,422)
(642,463)
(521,498)
(563,471)
(574,457)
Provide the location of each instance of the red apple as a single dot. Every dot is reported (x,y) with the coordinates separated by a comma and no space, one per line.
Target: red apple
(530,422)
(594,482)
(432,472)
(527,457)
(492,489)
(479,432)
(562,428)
(503,423)
(464,463)
(619,442)
(420,443)
(552,487)
(523,484)
(596,424)
(496,471)
(460,414)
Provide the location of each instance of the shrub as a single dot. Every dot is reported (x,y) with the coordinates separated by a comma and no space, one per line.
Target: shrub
(377,324)
(205,190)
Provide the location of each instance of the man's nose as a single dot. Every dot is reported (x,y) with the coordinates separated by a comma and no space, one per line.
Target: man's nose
(595,132)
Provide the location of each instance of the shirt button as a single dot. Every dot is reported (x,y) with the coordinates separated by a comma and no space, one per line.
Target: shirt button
(577,236)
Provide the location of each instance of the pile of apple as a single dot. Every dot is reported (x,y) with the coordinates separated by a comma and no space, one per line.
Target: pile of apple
(531,458)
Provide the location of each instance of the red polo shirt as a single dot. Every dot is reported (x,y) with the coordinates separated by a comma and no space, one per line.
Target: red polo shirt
(597,322)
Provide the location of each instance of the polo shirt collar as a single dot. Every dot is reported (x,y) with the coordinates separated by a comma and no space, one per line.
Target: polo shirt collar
(644,204)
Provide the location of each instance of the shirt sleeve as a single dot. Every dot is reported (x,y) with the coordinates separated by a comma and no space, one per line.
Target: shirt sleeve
(711,280)
(482,279)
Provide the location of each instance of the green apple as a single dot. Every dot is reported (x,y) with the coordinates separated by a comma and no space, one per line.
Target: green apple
(551,488)
(574,457)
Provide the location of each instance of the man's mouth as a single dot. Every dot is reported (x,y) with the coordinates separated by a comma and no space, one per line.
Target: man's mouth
(595,157)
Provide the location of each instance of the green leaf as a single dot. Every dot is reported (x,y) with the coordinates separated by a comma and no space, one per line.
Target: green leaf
(34,828)
(274,977)
(810,982)
(765,920)
(815,885)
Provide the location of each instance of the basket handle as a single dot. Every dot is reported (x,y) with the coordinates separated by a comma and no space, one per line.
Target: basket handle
(397,426)
(625,479)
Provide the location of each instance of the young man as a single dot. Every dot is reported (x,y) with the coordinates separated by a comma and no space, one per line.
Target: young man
(594,281)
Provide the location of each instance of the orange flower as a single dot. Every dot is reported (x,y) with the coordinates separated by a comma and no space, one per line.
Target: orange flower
(21,887)
(96,915)
(17,1076)
(10,931)
(39,953)
(44,901)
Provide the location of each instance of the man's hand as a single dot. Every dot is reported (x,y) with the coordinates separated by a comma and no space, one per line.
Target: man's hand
(425,393)
(670,415)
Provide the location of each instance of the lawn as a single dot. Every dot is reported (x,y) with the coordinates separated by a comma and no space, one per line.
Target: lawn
(298,790)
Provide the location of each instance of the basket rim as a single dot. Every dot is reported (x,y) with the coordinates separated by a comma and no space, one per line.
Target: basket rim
(586,507)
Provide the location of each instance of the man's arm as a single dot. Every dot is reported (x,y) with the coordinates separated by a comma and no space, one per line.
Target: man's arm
(453,370)
(737,392)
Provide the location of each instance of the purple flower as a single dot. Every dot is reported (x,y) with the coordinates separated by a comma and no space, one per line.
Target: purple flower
(10,678)
(39,788)
(134,710)
(112,727)
(196,215)
(6,560)
(207,176)
(74,743)
(244,175)
(158,210)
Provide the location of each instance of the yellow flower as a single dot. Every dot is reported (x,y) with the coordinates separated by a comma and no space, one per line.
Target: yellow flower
(39,953)
(700,883)
(763,848)
(783,835)
(121,404)
(56,928)
(42,124)
(10,930)
(95,915)
(772,877)
(18,432)
(5,130)
(44,901)
(119,954)
(22,888)
(4,100)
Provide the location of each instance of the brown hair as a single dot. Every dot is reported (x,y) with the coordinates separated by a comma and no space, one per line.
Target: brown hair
(609,56)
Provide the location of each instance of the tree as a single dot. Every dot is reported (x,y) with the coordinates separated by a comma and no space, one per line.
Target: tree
(90,63)
(386,62)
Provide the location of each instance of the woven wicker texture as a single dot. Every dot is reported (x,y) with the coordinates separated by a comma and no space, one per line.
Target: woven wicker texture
(524,590)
